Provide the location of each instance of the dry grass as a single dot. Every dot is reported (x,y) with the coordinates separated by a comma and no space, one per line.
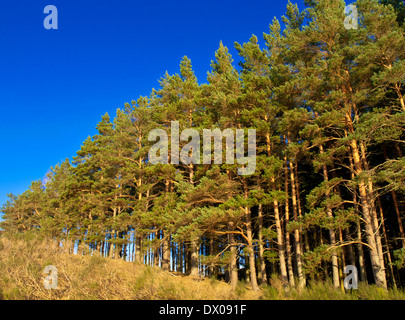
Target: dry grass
(83,277)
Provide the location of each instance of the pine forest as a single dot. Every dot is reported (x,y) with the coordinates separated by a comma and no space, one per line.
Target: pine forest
(328,191)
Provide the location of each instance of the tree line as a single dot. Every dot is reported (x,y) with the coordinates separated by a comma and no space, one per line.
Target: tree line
(328,108)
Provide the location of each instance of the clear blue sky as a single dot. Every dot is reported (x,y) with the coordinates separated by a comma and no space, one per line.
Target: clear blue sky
(56,84)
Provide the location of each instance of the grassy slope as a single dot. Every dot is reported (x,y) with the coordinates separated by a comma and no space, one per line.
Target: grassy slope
(22,261)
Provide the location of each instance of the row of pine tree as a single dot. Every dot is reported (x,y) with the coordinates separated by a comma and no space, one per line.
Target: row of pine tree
(328,107)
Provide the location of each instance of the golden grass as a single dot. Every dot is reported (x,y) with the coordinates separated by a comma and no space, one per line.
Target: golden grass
(86,277)
(83,277)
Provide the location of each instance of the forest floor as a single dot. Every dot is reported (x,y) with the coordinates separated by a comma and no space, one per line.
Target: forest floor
(85,277)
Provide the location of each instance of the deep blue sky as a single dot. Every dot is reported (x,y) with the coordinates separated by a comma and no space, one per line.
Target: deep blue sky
(56,84)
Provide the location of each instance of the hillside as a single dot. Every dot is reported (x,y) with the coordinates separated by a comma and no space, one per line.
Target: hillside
(22,261)
(84,277)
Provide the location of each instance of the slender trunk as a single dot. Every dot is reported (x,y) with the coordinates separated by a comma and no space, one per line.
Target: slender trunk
(194,258)
(249,236)
(111,250)
(119,246)
(335,263)
(250,250)
(181,258)
(212,253)
(315,241)
(332,236)
(368,216)
(261,246)
(349,249)
(166,253)
(156,255)
(188,258)
(102,248)
(371,201)
(233,270)
(343,261)
(398,213)
(124,251)
(279,229)
(377,264)
(363,275)
(378,267)
(297,232)
(138,249)
(304,234)
(280,244)
(388,253)
(287,234)
(194,242)
(325,264)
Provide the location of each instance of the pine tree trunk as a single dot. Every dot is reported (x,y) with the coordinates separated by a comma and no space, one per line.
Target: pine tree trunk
(350,249)
(378,268)
(363,275)
(261,246)
(166,253)
(233,270)
(377,264)
(212,253)
(388,253)
(250,250)
(332,236)
(181,258)
(280,243)
(279,229)
(398,214)
(373,210)
(249,237)
(156,256)
(112,246)
(367,202)
(71,247)
(102,248)
(194,258)
(287,234)
(124,252)
(138,249)
(297,232)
